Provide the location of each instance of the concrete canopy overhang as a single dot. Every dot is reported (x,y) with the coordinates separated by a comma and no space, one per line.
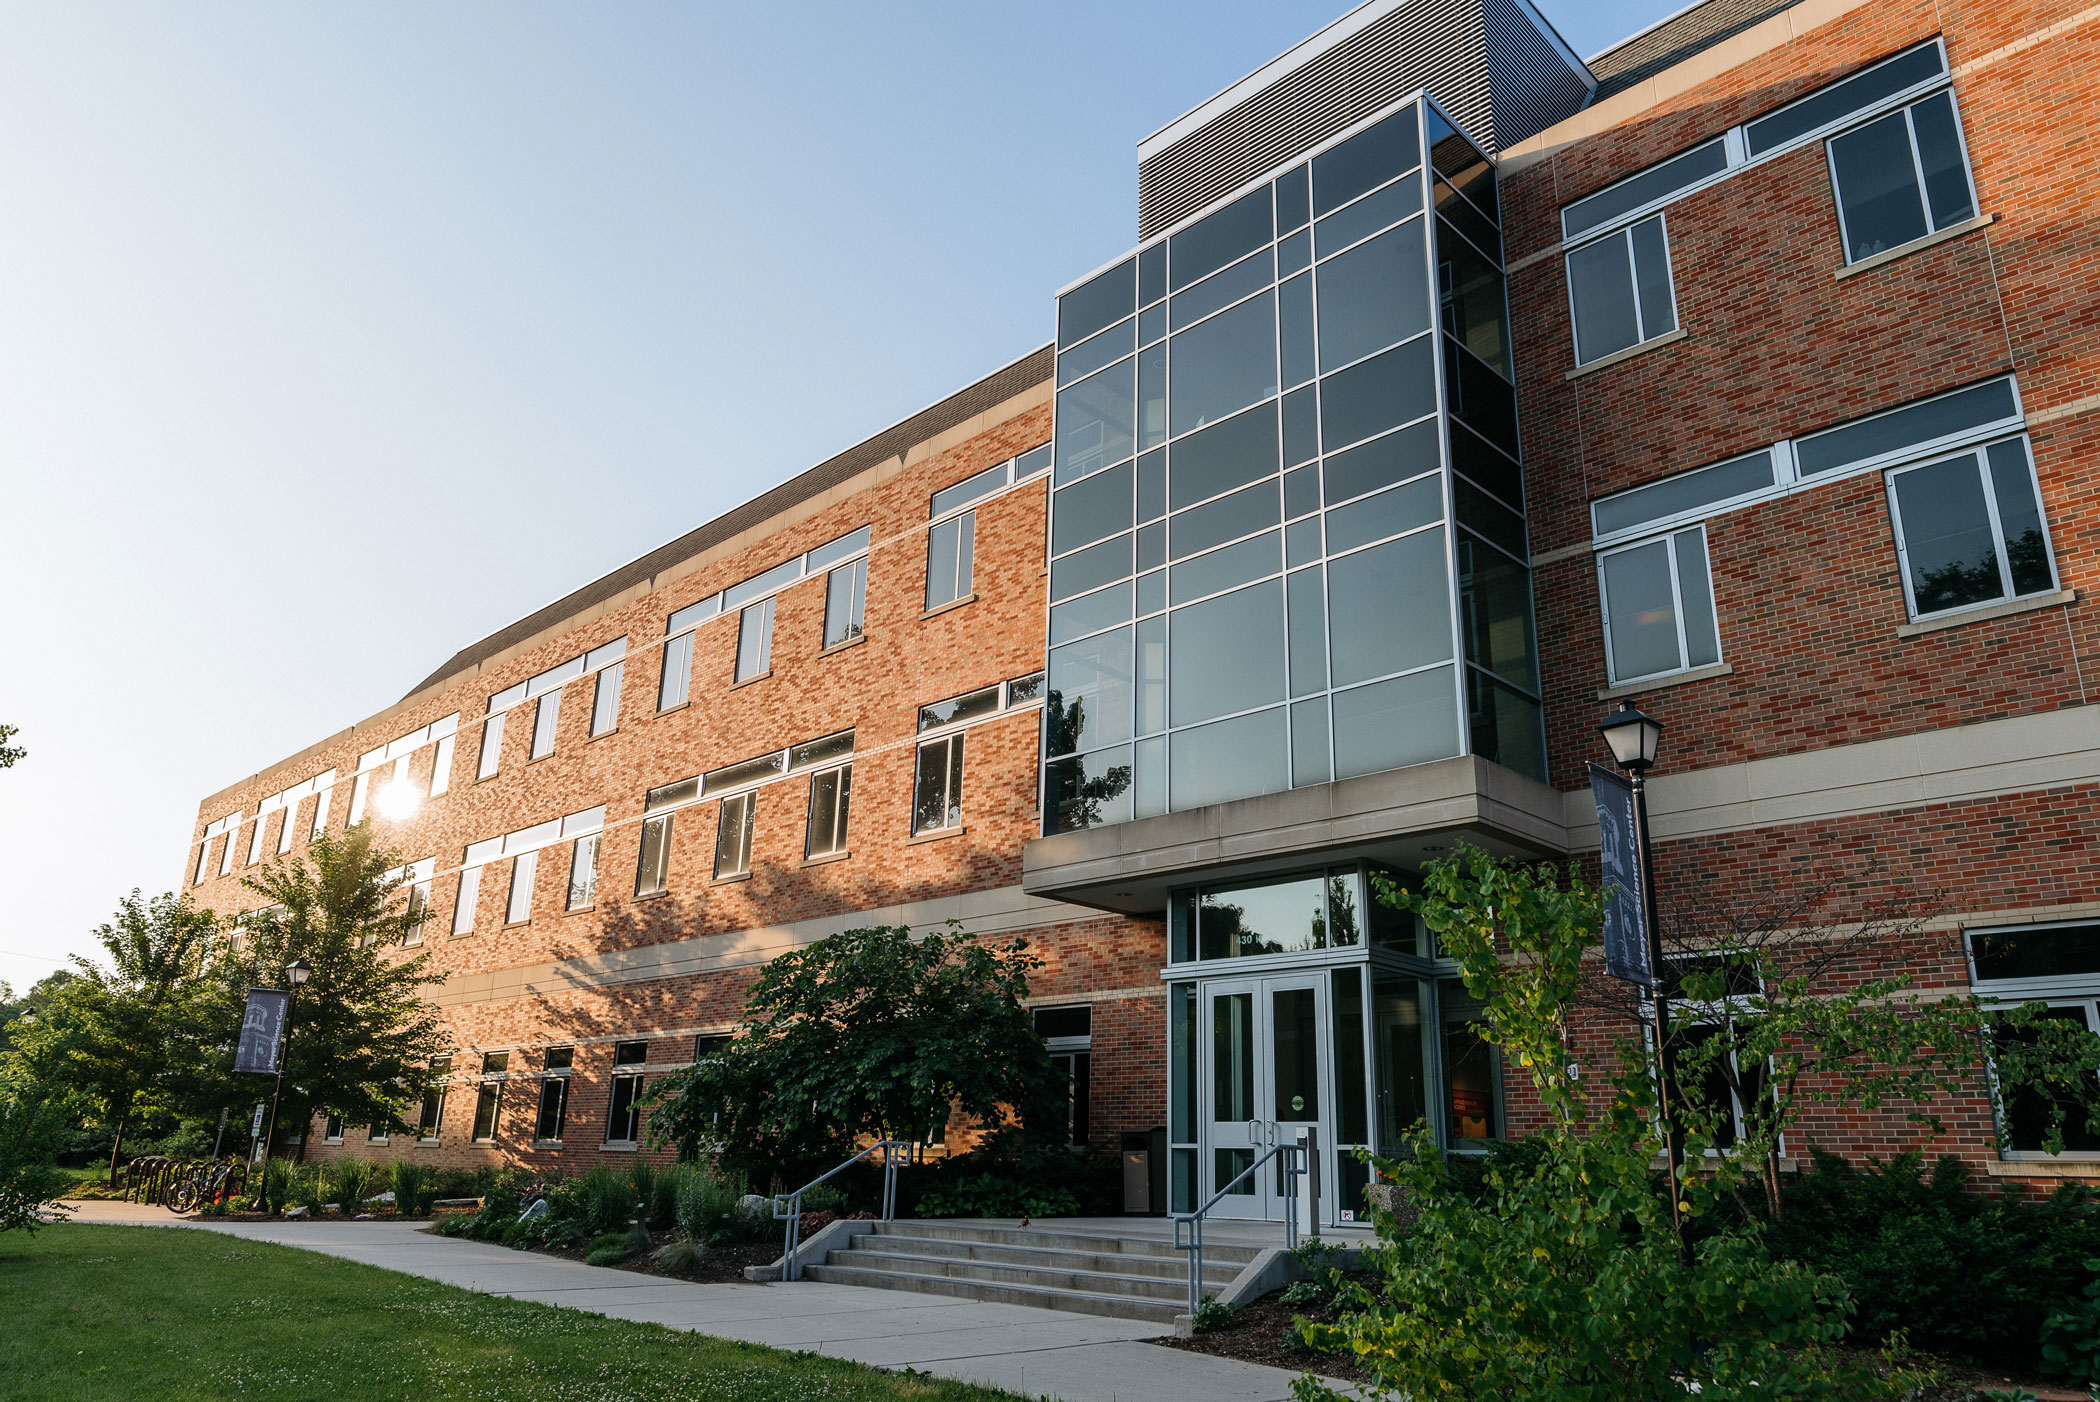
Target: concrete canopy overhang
(1403,816)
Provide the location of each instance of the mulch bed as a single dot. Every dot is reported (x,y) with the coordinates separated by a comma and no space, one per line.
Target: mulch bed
(1264,1333)
(722,1265)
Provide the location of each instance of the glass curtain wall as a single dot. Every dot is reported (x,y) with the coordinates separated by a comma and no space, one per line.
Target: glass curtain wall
(1287,530)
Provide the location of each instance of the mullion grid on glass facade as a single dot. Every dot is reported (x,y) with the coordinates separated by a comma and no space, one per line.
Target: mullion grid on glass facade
(1085,618)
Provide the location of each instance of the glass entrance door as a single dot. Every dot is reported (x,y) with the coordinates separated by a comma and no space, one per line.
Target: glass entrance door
(1265,1079)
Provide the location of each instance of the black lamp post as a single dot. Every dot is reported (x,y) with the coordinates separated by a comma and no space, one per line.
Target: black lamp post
(1634,738)
(295,973)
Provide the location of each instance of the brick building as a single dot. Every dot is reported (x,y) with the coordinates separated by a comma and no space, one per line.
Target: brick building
(1458,390)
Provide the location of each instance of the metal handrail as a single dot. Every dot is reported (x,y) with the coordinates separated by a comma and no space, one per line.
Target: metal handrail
(787,1207)
(1188,1226)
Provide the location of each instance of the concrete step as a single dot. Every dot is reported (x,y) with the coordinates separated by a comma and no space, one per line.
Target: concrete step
(1110,1262)
(1076,1301)
(1050,1240)
(1034,1277)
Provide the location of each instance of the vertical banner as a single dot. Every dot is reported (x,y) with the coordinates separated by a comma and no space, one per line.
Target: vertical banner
(262,1031)
(1625,909)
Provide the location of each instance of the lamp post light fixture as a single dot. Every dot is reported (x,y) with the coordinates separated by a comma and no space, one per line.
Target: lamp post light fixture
(296,974)
(1634,737)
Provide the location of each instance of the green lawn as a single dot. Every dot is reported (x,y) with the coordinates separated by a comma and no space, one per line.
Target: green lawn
(170,1314)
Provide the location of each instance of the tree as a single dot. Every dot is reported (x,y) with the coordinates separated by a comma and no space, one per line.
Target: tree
(121,1040)
(9,753)
(30,1126)
(870,1033)
(362,1039)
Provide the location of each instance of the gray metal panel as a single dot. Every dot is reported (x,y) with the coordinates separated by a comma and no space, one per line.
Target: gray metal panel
(1478,69)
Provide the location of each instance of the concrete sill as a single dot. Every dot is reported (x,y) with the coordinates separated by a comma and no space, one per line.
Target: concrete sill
(937,835)
(950,606)
(826,859)
(729,880)
(752,680)
(1989,611)
(1904,250)
(580,910)
(855,641)
(653,896)
(2064,1167)
(667,710)
(1605,362)
(1697,674)
(619,1146)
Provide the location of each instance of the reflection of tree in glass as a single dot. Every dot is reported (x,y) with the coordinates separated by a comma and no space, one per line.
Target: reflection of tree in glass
(1341,909)
(1076,797)
(1955,583)
(1226,934)
(2029,560)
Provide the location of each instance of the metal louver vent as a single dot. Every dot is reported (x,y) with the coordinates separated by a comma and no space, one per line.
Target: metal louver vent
(1490,64)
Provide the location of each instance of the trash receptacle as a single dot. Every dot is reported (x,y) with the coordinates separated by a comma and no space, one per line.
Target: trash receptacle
(1144,1172)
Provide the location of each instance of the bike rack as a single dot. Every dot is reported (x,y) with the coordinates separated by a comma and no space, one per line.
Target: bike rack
(1188,1226)
(787,1207)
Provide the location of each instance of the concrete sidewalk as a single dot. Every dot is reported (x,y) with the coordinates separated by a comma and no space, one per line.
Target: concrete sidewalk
(1038,1353)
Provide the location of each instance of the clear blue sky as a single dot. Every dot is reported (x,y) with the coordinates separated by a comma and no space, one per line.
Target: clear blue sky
(333,337)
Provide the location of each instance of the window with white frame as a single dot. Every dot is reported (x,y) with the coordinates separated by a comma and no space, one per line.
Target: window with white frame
(255,837)
(463,902)
(488,1104)
(653,866)
(583,872)
(1901,177)
(223,827)
(845,603)
(523,868)
(1969,530)
(233,833)
(951,547)
(2057,965)
(1658,607)
(1619,290)
(332,1129)
(754,640)
(1718,1081)
(605,700)
(431,1118)
(418,875)
(830,804)
(674,683)
(546,720)
(937,785)
(733,835)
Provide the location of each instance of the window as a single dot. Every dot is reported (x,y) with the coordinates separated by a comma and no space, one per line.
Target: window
(1472,1070)
(523,868)
(1619,290)
(432,1116)
(1901,177)
(605,701)
(653,869)
(951,546)
(937,788)
(1658,607)
(733,836)
(623,1122)
(332,1129)
(546,718)
(489,1103)
(754,640)
(440,779)
(830,799)
(583,872)
(284,829)
(845,602)
(2058,965)
(224,825)
(418,878)
(554,1095)
(708,1043)
(1069,1033)
(463,903)
(255,837)
(491,755)
(1969,530)
(233,831)
(675,683)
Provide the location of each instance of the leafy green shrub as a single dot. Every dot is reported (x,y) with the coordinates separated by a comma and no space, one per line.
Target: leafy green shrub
(988,1195)
(1301,1293)
(607,1201)
(351,1183)
(274,1185)
(308,1189)
(1212,1315)
(608,1249)
(680,1257)
(29,1142)
(411,1184)
(825,1197)
(663,1194)
(1967,1273)
(2071,1337)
